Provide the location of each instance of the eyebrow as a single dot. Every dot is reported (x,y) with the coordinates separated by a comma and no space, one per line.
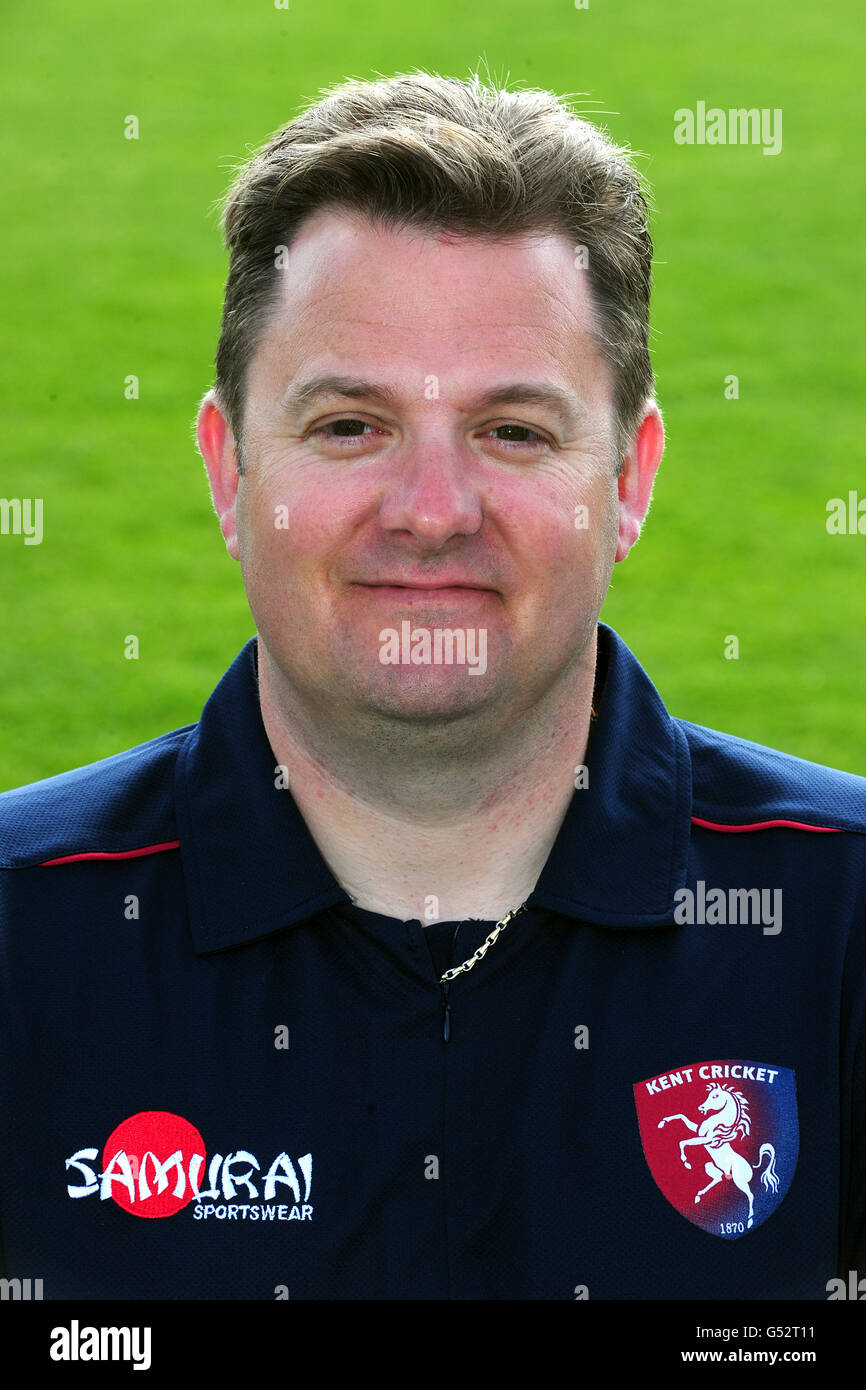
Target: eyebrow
(561,402)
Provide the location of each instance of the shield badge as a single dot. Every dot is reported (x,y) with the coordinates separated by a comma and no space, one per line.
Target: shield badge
(721,1140)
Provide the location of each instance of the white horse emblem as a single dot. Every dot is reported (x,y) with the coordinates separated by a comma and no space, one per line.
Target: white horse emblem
(727,1114)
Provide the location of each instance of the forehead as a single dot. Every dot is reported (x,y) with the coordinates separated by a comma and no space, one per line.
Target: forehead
(356,288)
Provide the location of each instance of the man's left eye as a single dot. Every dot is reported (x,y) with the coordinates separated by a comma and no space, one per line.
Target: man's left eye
(524,435)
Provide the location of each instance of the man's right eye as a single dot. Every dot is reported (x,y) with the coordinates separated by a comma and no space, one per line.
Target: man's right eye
(347,428)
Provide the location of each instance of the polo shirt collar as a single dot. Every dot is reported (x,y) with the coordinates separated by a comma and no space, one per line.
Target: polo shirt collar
(622,849)
(251,866)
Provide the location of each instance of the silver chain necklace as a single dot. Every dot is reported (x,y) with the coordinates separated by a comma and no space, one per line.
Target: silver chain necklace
(445,980)
(483,948)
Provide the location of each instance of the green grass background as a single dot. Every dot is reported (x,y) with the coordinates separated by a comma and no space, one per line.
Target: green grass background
(112,264)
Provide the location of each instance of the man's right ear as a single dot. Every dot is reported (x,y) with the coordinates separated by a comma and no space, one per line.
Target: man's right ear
(217,447)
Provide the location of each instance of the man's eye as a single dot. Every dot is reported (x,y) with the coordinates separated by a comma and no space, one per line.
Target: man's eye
(520,435)
(347,428)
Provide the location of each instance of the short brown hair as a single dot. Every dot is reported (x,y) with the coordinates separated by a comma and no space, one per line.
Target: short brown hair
(450,156)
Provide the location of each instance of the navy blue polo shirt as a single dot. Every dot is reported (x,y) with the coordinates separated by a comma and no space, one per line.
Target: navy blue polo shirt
(222,1080)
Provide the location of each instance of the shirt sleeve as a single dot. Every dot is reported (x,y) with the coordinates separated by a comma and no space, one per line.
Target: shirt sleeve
(852,1244)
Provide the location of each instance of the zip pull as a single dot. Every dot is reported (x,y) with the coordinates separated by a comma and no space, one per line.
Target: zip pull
(446,1012)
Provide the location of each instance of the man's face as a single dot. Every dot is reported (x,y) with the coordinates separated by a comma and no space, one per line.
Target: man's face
(360,501)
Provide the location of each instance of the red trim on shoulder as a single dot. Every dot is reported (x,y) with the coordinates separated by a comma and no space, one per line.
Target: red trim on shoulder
(112,854)
(768,825)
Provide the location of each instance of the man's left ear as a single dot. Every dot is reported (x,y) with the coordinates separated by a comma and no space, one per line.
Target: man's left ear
(635,483)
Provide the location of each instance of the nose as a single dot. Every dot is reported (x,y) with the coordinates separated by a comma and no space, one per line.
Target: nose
(433,491)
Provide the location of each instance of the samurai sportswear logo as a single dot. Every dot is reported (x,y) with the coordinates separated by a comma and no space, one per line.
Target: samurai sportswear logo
(734,1123)
(142,1152)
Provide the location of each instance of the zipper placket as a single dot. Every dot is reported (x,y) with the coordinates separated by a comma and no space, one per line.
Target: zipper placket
(444,987)
(446,1010)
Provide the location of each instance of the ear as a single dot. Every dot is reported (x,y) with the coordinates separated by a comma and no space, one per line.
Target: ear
(635,483)
(217,447)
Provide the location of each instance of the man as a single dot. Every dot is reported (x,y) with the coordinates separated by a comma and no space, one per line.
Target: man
(437,960)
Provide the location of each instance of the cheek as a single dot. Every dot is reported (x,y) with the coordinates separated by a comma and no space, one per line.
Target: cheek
(573,493)
(281,524)
(266,546)
(567,530)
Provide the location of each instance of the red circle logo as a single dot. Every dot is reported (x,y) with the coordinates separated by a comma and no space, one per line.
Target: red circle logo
(152,1161)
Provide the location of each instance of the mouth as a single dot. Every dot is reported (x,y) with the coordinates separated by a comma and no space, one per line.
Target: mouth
(404,592)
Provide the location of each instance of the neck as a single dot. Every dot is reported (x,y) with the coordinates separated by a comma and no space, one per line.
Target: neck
(439,828)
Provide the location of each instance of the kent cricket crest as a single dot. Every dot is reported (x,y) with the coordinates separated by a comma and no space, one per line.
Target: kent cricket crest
(721,1141)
